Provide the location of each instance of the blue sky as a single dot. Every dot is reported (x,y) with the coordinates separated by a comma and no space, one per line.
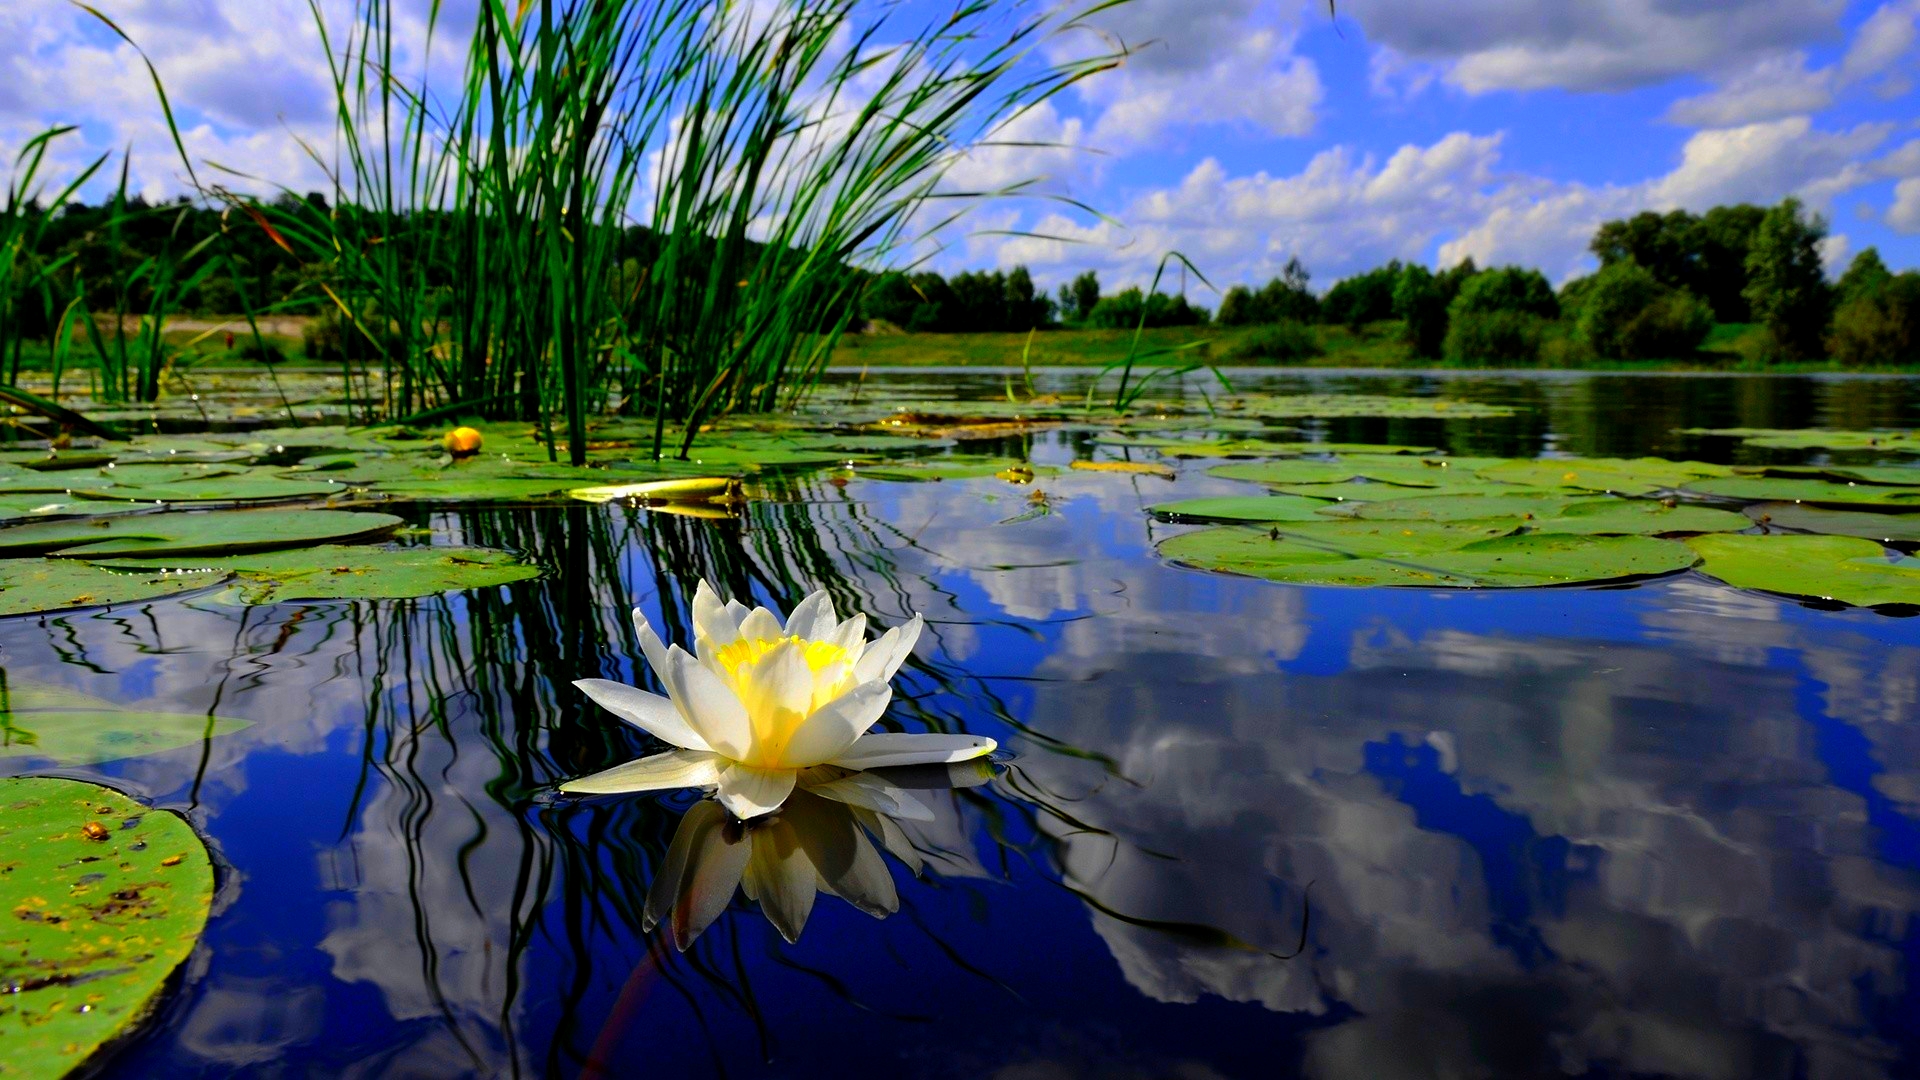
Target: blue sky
(1240,132)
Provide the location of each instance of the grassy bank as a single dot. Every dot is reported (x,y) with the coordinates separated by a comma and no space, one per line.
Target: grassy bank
(1376,345)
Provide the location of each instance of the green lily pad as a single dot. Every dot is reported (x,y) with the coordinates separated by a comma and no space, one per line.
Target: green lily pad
(1622,476)
(1339,405)
(226,489)
(1766,489)
(1244,508)
(1817,439)
(1423,554)
(1364,491)
(68,727)
(1406,473)
(1465,506)
(104,899)
(33,586)
(1890,475)
(201,533)
(1639,517)
(1889,528)
(359,573)
(954,467)
(1843,568)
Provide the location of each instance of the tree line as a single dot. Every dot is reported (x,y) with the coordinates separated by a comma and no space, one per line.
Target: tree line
(1664,281)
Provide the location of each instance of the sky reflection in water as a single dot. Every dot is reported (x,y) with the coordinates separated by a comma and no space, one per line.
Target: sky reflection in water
(1671,829)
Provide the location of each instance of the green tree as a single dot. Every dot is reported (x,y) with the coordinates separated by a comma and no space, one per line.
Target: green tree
(1506,288)
(1879,325)
(1285,297)
(1626,313)
(1786,286)
(1362,298)
(1726,236)
(1865,276)
(1421,300)
(1078,297)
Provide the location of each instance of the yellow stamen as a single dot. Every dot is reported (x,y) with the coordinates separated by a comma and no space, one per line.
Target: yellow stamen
(820,655)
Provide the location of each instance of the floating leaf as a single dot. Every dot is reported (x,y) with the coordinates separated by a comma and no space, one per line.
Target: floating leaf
(955,467)
(1766,489)
(32,586)
(1406,473)
(359,573)
(68,727)
(200,533)
(1637,476)
(1890,475)
(1890,528)
(104,898)
(1465,506)
(697,489)
(1843,568)
(1141,468)
(225,489)
(1428,554)
(1638,517)
(1337,405)
(1244,508)
(1817,439)
(1366,491)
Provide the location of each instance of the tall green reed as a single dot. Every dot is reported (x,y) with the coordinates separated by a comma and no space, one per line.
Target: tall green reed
(657,207)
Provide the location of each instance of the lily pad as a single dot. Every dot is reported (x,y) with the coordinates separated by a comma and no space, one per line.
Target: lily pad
(105,898)
(1423,554)
(1817,439)
(33,586)
(1768,489)
(956,467)
(1637,476)
(1364,491)
(225,489)
(68,727)
(1843,568)
(1244,508)
(1407,473)
(1889,528)
(1337,405)
(359,573)
(200,533)
(1639,517)
(1465,506)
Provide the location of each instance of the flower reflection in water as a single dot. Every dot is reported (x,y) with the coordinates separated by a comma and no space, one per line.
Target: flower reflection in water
(759,702)
(820,841)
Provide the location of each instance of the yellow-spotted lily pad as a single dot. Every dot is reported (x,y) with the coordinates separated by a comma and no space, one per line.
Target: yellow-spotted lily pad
(101,899)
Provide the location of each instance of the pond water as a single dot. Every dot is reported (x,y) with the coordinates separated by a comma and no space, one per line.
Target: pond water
(1243,829)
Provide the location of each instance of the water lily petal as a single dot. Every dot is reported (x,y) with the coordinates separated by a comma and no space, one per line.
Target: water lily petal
(651,713)
(761,624)
(845,860)
(714,624)
(781,878)
(883,658)
(748,792)
(869,791)
(833,727)
(892,838)
(715,862)
(709,705)
(813,618)
(691,833)
(885,749)
(660,772)
(851,636)
(650,644)
(777,690)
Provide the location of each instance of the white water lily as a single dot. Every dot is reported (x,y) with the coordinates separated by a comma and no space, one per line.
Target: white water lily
(760,700)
